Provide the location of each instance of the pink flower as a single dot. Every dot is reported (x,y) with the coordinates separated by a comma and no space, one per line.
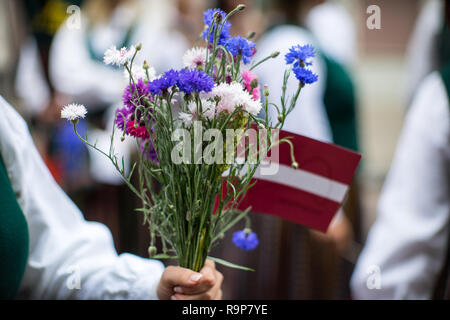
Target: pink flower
(248,77)
(139,132)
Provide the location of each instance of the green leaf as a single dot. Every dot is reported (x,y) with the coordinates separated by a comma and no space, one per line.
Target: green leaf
(163,256)
(229,264)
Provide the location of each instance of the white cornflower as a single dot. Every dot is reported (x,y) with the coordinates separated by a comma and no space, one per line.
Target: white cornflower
(186,118)
(194,58)
(73,112)
(192,107)
(209,109)
(118,57)
(232,96)
(138,72)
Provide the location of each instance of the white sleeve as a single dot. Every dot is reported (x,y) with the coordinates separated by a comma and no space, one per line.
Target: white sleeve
(74,73)
(421,51)
(406,246)
(308,117)
(69,258)
(334,28)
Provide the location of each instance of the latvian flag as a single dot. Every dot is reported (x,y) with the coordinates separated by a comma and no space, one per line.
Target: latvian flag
(311,194)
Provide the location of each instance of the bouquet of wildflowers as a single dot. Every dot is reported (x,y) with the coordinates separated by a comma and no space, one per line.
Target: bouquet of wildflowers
(189,124)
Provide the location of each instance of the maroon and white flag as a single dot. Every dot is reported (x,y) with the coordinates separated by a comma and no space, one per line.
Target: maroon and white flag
(311,194)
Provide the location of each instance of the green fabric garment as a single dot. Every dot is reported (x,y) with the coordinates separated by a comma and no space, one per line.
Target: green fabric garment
(340,104)
(442,287)
(13,239)
(445,74)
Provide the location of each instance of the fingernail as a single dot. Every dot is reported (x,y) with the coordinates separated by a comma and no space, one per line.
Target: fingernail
(173,297)
(195,277)
(178,289)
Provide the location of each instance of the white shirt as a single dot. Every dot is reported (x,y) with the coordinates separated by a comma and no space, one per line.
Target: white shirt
(333,27)
(64,246)
(406,246)
(422,50)
(308,117)
(91,82)
(88,81)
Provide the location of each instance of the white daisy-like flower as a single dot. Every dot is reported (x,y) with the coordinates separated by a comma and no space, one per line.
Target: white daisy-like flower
(194,58)
(73,112)
(209,109)
(186,118)
(138,72)
(232,96)
(118,57)
(192,107)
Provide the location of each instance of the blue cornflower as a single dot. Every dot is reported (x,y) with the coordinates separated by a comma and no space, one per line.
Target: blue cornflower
(160,85)
(186,80)
(194,80)
(305,76)
(241,46)
(208,18)
(299,55)
(245,239)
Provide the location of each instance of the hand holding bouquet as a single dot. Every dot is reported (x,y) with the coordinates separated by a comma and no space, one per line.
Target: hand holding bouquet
(189,126)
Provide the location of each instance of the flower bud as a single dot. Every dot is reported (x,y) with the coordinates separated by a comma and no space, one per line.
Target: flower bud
(240,7)
(251,35)
(275,54)
(266,90)
(139,47)
(152,251)
(280,118)
(254,83)
(146,66)
(217,17)
(295,165)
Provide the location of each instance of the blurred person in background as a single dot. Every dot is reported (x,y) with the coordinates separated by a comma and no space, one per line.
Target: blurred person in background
(189,20)
(327,112)
(39,98)
(78,71)
(77,67)
(49,251)
(308,261)
(406,255)
(428,46)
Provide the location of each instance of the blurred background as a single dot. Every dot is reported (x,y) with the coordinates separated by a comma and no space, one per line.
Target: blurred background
(46,63)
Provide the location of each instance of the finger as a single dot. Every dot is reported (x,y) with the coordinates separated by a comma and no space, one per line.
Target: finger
(215,293)
(206,282)
(210,263)
(177,276)
(219,295)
